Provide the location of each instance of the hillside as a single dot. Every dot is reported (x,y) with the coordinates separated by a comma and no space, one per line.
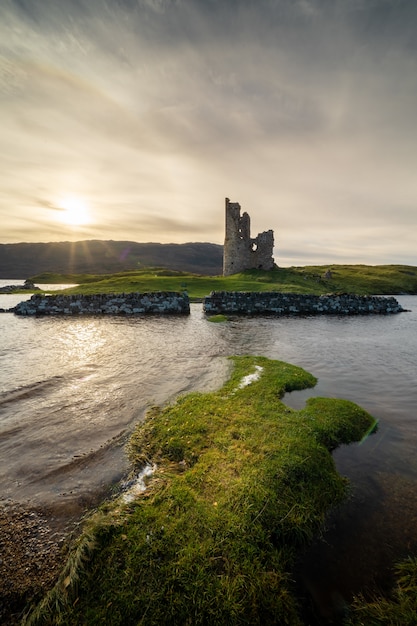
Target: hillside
(20,260)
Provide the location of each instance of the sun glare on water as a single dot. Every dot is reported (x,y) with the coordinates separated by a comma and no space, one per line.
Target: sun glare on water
(75,212)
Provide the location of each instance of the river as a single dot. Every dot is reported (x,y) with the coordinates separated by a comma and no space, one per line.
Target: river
(71,390)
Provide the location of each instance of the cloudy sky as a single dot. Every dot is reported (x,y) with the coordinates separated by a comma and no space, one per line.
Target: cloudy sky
(133,119)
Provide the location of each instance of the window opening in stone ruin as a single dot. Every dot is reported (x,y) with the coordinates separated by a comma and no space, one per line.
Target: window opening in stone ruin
(254,247)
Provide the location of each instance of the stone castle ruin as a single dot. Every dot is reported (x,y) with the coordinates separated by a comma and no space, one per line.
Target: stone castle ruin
(241,251)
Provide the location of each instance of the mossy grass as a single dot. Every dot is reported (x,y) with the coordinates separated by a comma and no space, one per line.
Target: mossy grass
(241,484)
(359,279)
(217,318)
(400,609)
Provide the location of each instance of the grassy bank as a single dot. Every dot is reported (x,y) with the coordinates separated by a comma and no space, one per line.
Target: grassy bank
(359,279)
(241,485)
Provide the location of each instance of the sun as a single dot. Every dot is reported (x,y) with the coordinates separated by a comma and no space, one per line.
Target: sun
(74,212)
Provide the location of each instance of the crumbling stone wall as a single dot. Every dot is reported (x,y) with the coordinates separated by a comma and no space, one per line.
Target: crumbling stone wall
(277,303)
(155,303)
(241,251)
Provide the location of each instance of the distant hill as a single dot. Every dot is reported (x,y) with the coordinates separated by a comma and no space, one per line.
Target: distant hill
(21,260)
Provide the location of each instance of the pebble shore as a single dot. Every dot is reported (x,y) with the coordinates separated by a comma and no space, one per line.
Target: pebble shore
(31,556)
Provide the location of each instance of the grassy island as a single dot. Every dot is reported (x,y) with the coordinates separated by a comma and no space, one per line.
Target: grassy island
(358,279)
(240,484)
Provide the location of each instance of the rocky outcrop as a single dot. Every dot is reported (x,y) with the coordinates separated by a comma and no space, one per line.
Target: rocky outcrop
(158,303)
(27,286)
(276,303)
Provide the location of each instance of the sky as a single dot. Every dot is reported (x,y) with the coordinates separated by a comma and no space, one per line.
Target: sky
(134,119)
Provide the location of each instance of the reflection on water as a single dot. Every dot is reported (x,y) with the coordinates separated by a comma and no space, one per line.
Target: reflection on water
(82,340)
(71,389)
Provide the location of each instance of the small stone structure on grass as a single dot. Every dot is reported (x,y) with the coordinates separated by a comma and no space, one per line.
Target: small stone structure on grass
(242,252)
(27,286)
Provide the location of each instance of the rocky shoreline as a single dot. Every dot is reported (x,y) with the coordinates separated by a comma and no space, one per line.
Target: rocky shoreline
(31,556)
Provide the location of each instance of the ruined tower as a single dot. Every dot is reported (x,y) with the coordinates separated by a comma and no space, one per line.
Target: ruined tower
(241,252)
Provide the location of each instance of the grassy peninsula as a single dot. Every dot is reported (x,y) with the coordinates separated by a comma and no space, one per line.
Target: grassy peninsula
(241,483)
(359,279)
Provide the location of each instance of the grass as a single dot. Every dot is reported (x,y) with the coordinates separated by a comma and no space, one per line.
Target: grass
(217,318)
(398,610)
(359,279)
(242,484)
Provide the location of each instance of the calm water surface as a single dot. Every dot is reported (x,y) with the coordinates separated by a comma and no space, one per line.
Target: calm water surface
(72,389)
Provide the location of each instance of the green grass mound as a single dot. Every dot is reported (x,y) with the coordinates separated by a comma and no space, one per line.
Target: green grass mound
(217,318)
(359,279)
(241,484)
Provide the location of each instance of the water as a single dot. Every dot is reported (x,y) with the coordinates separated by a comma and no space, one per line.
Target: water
(71,390)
